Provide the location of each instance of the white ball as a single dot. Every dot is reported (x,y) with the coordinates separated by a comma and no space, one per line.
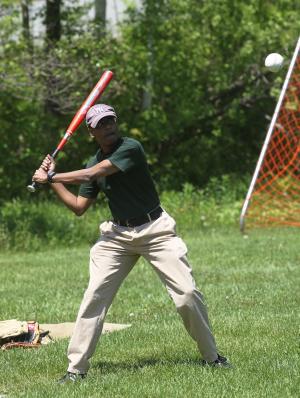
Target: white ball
(274,62)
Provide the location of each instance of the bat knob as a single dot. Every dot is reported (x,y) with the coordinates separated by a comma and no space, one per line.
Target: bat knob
(32,187)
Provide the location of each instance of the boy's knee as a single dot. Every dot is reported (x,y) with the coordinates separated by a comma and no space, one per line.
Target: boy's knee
(188,298)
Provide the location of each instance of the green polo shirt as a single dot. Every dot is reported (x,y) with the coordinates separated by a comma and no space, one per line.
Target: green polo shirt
(131,192)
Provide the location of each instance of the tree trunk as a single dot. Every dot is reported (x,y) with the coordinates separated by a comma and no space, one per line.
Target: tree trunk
(150,10)
(100,16)
(53,34)
(26,24)
(52,21)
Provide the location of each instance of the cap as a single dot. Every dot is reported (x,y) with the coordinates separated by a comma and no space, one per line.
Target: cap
(98,112)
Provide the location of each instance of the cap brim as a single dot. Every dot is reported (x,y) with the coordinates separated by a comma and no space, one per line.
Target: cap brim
(96,119)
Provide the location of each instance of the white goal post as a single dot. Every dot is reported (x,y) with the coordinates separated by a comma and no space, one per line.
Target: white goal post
(272,128)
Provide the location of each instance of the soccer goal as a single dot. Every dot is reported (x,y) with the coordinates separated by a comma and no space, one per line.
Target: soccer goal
(273,198)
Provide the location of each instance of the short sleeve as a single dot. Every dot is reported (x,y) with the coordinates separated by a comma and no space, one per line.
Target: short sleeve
(128,156)
(90,189)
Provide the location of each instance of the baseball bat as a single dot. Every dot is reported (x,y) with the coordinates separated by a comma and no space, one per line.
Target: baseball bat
(79,116)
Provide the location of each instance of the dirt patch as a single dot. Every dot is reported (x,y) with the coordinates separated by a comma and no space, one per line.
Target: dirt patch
(65,330)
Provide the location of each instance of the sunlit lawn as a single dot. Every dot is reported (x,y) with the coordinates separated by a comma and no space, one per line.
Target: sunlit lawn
(252,290)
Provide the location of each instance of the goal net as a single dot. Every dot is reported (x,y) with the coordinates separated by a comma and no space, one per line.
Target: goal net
(273,198)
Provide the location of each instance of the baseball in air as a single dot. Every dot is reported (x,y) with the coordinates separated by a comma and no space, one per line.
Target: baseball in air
(274,62)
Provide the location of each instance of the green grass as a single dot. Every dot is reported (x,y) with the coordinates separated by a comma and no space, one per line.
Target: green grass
(252,289)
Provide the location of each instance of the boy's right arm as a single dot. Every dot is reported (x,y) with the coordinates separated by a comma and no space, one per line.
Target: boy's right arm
(78,204)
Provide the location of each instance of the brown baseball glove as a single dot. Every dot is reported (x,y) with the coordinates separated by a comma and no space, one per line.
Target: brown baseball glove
(29,339)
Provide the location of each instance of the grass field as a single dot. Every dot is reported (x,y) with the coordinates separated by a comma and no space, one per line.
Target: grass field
(252,289)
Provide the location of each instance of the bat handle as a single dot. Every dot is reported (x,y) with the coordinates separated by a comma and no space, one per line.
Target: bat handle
(34,185)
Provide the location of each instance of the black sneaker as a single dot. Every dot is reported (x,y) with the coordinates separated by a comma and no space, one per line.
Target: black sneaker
(70,377)
(220,362)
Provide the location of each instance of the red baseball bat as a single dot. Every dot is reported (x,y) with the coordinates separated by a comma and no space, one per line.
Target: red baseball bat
(79,116)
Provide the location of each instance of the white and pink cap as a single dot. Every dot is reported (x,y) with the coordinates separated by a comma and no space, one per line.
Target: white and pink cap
(98,112)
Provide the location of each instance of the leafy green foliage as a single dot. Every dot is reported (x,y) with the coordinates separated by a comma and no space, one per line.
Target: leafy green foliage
(189,83)
(33,225)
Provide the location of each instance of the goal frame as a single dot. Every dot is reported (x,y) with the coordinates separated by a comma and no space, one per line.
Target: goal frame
(268,139)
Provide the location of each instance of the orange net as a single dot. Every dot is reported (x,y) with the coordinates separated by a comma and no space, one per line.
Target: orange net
(275,199)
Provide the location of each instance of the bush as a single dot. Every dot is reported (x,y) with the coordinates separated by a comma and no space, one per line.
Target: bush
(32,226)
(218,205)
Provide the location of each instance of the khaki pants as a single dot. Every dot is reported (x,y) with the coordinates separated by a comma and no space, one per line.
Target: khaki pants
(111,260)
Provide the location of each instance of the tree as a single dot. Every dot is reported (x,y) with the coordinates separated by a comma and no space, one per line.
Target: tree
(53,35)
(100,16)
(53,21)
(26,24)
(100,11)
(202,68)
(210,92)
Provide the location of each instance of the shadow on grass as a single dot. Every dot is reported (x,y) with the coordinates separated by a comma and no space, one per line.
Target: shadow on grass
(107,367)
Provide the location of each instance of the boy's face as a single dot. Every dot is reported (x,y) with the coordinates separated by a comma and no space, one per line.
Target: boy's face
(106,132)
